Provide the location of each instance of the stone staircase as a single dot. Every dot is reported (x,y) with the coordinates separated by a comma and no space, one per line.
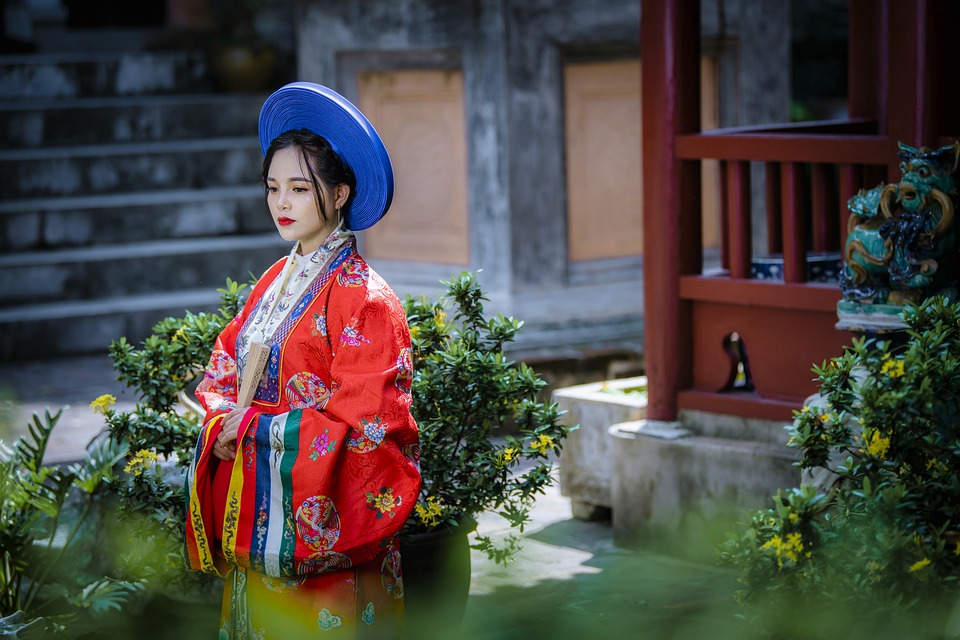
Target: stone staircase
(128,192)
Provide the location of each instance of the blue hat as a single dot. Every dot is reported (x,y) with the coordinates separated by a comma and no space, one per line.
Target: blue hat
(325,112)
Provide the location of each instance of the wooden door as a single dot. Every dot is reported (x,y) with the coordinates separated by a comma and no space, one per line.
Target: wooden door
(419,114)
(603,147)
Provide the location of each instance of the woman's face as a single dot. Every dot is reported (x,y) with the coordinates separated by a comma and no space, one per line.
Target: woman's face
(292,201)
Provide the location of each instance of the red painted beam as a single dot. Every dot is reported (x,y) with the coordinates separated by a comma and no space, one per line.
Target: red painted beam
(823,206)
(845,127)
(670,50)
(867,57)
(771,173)
(724,217)
(738,210)
(794,223)
(745,404)
(851,181)
(785,148)
(756,293)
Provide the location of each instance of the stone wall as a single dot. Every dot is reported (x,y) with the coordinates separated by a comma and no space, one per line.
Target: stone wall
(512,54)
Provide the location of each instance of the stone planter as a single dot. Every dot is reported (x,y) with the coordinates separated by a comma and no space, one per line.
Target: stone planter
(675,485)
(586,460)
(436,580)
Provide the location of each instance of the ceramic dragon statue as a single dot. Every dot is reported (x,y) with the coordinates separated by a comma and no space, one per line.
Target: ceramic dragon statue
(901,238)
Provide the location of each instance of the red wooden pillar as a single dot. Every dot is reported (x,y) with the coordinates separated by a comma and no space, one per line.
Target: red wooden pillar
(867,59)
(923,96)
(670,54)
(794,224)
(738,218)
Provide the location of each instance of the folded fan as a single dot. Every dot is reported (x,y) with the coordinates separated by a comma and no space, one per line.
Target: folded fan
(256,361)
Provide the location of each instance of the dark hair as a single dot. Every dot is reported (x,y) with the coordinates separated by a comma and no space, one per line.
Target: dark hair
(323,164)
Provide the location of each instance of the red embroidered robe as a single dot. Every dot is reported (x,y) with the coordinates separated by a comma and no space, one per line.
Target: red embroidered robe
(326,471)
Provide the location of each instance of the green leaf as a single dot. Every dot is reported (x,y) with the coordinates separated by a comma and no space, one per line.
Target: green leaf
(106,594)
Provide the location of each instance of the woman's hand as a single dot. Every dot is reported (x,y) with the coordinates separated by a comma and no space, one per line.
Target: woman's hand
(225,446)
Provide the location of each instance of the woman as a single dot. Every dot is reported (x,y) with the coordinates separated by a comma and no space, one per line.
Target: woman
(297,499)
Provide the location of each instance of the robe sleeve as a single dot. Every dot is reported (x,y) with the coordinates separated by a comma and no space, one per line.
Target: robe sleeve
(322,488)
(217,393)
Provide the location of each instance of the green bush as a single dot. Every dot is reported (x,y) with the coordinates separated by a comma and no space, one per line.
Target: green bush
(123,510)
(48,574)
(103,536)
(468,400)
(872,543)
(161,433)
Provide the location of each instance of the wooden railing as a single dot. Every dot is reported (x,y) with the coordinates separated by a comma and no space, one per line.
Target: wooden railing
(810,171)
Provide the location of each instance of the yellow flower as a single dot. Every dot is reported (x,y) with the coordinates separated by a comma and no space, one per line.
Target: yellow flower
(506,456)
(542,443)
(786,549)
(414,331)
(103,403)
(139,463)
(439,317)
(181,334)
(877,445)
(430,512)
(794,517)
(891,367)
(919,564)
(956,550)
(937,467)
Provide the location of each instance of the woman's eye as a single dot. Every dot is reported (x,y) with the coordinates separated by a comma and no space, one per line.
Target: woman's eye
(272,189)
(300,189)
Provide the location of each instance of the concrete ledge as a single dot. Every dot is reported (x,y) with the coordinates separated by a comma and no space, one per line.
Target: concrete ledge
(667,482)
(586,460)
(725,426)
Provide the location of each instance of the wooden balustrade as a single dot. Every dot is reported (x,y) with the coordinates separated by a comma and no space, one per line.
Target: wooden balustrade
(896,92)
(810,171)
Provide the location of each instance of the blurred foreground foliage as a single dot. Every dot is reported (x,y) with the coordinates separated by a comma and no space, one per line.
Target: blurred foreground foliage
(869,544)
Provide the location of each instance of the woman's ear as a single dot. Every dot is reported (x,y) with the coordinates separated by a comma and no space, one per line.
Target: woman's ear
(341,194)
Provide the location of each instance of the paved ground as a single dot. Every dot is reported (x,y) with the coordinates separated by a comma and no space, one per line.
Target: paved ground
(570,581)
(27,388)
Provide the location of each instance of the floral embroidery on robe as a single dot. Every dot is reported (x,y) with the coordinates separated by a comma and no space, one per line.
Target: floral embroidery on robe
(325,473)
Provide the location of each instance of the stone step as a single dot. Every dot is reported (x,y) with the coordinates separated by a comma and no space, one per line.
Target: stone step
(80,221)
(115,168)
(93,121)
(63,75)
(135,268)
(72,328)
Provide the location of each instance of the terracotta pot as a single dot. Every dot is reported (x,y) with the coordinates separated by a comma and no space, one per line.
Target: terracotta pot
(244,68)
(436,580)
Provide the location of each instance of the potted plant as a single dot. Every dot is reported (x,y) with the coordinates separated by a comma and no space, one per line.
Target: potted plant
(485,438)
(869,544)
(240,60)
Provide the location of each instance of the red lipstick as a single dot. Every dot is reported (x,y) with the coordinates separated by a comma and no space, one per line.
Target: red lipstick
(285,221)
